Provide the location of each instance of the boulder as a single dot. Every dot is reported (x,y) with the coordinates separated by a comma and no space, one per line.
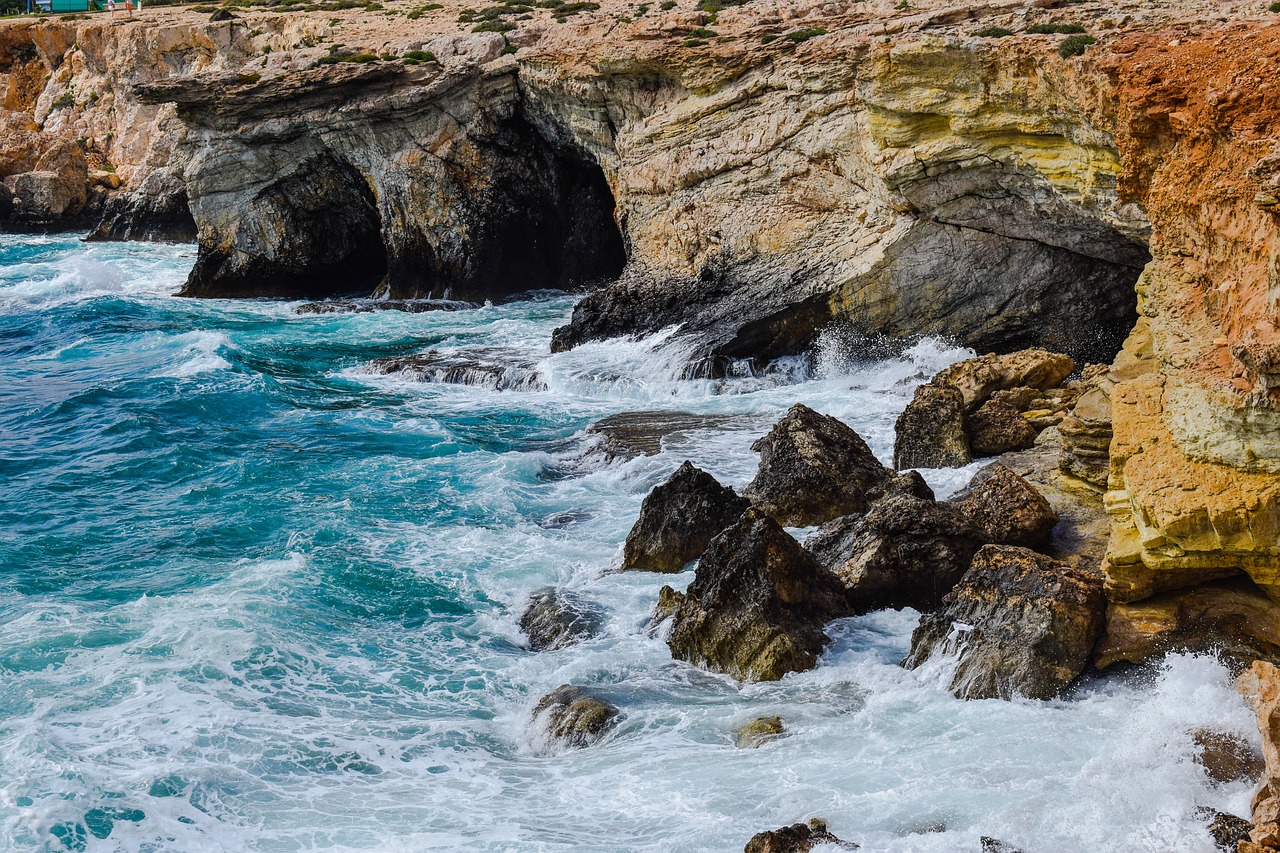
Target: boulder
(979,378)
(758,732)
(1226,757)
(1260,684)
(158,210)
(554,619)
(1006,509)
(679,519)
(996,427)
(907,551)
(1019,624)
(575,717)
(995,845)
(797,838)
(1233,619)
(932,431)
(756,606)
(813,468)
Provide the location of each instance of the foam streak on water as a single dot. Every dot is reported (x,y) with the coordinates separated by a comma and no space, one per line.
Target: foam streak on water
(255,596)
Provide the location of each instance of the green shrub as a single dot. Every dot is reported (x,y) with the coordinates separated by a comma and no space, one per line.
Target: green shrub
(421,56)
(493,27)
(994,33)
(807,33)
(765,39)
(1054,29)
(1274,7)
(66,99)
(1074,45)
(693,43)
(248,78)
(903,6)
(509,48)
(204,10)
(702,33)
(667,5)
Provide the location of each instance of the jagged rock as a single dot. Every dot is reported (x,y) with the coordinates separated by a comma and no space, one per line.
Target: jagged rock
(678,520)
(1086,431)
(1006,508)
(1260,685)
(906,551)
(158,211)
(932,431)
(757,604)
(630,434)
(978,378)
(758,732)
(996,427)
(995,845)
(1228,831)
(367,306)
(575,717)
(813,468)
(797,838)
(1226,757)
(1020,623)
(1233,619)
(554,619)
(483,367)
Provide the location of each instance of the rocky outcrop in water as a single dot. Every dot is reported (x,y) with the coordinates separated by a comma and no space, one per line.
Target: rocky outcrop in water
(492,368)
(933,431)
(678,520)
(554,619)
(1006,509)
(813,468)
(758,732)
(1017,624)
(797,838)
(573,717)
(756,606)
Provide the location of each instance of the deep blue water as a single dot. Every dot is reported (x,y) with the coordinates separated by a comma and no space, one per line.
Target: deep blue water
(254,596)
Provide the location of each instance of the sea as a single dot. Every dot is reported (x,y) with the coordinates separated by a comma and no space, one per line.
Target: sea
(256,595)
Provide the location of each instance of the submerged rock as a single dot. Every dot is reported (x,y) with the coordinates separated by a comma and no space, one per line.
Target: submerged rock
(797,838)
(758,732)
(630,434)
(366,306)
(757,605)
(574,717)
(995,845)
(679,519)
(996,427)
(488,367)
(554,619)
(932,431)
(907,551)
(1006,508)
(813,468)
(978,379)
(1019,624)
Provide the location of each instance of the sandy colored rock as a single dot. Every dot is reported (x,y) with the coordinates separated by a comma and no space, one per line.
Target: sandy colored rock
(977,379)
(1006,509)
(797,838)
(1227,757)
(996,427)
(758,732)
(574,717)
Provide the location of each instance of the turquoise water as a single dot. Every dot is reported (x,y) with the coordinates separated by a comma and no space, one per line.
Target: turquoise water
(255,597)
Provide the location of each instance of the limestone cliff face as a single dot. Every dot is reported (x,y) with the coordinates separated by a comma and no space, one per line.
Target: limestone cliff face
(1193,490)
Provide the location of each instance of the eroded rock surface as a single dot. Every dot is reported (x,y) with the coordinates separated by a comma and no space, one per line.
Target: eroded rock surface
(932,432)
(678,520)
(797,838)
(996,427)
(1018,623)
(1006,509)
(554,619)
(488,367)
(813,468)
(573,717)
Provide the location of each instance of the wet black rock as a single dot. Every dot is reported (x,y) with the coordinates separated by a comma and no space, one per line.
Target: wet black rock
(1006,508)
(906,551)
(932,431)
(157,211)
(679,519)
(757,604)
(367,306)
(997,427)
(797,838)
(995,845)
(555,618)
(1019,623)
(484,367)
(574,717)
(1228,831)
(814,468)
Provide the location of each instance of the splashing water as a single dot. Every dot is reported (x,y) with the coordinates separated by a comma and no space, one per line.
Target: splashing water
(255,596)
